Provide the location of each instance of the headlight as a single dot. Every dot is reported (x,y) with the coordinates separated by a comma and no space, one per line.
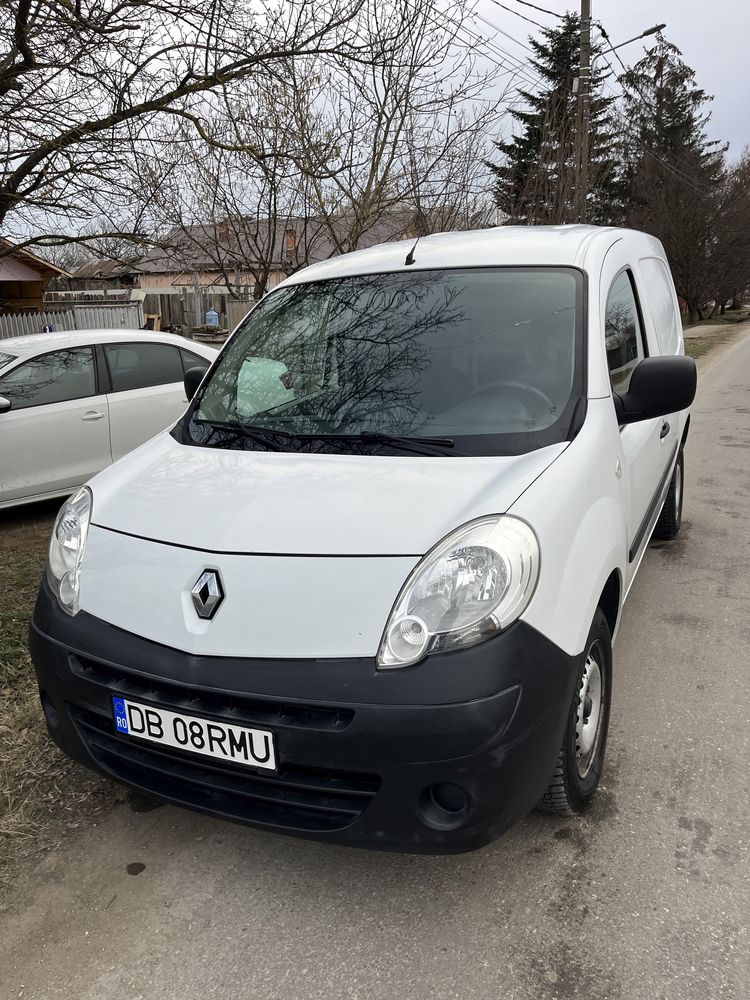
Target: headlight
(66,549)
(475,582)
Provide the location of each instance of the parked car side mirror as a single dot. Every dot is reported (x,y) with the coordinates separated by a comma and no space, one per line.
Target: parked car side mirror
(658,386)
(5,404)
(193,378)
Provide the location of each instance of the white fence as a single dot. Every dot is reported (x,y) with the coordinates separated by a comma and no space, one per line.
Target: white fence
(125,316)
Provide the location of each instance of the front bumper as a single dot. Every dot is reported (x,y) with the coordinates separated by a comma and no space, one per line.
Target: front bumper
(360,750)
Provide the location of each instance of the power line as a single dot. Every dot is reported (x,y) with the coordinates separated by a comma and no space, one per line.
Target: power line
(519,14)
(599,54)
(543,10)
(526,72)
(507,35)
(606,38)
(508,63)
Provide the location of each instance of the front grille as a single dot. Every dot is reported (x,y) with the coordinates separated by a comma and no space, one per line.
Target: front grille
(230,707)
(300,798)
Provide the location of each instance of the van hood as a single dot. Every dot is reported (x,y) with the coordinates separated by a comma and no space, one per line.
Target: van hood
(287,503)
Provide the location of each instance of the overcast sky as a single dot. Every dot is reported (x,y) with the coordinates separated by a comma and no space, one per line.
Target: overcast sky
(714,39)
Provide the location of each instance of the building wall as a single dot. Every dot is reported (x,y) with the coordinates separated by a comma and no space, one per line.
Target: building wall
(211,282)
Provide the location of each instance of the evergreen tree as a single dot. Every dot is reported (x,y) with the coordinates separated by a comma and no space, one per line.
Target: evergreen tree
(535,179)
(665,109)
(674,174)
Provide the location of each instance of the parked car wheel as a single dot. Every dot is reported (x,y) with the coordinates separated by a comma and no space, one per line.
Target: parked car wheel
(581,756)
(670,518)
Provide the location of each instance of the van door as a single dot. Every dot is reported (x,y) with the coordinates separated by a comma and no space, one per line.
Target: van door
(648,448)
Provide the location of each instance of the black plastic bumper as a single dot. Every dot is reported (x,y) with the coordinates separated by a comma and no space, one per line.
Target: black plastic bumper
(360,750)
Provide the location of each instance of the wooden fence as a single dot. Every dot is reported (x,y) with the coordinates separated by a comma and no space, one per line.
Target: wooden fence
(122,316)
(237,311)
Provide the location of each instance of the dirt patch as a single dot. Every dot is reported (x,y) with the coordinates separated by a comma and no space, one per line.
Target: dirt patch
(42,793)
(696,347)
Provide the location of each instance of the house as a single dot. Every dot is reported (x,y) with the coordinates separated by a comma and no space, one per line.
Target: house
(225,266)
(103,276)
(23,279)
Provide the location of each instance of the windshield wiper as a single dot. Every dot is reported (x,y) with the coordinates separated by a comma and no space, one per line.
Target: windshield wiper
(426,442)
(261,435)
(269,437)
(418,445)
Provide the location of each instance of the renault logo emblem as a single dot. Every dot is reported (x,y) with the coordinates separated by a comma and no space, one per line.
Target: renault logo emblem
(207,593)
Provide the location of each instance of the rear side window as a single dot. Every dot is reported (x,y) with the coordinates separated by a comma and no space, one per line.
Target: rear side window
(190,360)
(51,378)
(622,332)
(658,289)
(135,366)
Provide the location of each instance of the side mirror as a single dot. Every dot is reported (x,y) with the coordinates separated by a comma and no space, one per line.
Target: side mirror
(193,378)
(658,386)
(5,404)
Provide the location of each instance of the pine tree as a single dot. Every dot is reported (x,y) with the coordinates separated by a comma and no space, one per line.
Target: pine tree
(535,180)
(664,107)
(674,174)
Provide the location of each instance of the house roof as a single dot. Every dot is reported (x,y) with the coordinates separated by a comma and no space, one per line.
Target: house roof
(8,251)
(105,268)
(242,242)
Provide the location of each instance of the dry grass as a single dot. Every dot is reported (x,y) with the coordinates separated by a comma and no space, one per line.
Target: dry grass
(42,793)
(698,346)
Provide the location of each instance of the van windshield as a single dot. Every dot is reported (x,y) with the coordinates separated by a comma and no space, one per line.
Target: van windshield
(484,361)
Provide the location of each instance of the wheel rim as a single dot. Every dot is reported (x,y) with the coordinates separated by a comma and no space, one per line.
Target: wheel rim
(589,713)
(678,492)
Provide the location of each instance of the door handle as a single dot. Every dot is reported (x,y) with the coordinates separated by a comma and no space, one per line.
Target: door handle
(664,429)
(93,415)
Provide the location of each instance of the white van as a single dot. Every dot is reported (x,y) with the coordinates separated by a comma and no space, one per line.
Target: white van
(366,588)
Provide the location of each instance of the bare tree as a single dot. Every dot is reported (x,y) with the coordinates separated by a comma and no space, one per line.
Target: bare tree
(82,84)
(401,137)
(352,155)
(225,212)
(730,257)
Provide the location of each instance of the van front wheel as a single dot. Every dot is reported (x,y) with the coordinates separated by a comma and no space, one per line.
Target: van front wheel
(581,756)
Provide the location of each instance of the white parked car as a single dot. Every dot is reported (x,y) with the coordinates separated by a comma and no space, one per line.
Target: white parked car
(72,403)
(366,588)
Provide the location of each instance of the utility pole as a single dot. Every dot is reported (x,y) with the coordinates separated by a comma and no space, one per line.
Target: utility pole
(583,113)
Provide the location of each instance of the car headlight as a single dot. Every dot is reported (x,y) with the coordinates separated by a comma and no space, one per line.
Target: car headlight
(66,550)
(474,583)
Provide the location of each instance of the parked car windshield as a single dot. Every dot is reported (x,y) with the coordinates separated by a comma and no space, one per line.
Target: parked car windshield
(488,358)
(5,359)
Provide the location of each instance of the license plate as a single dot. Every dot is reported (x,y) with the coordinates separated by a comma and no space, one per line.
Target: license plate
(238,744)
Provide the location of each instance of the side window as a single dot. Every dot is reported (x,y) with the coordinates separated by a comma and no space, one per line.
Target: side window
(51,378)
(660,293)
(190,360)
(622,332)
(135,366)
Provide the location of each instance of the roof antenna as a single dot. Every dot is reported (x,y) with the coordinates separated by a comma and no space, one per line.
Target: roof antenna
(410,259)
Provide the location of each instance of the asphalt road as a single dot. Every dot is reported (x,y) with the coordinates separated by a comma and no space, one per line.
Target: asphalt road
(647,896)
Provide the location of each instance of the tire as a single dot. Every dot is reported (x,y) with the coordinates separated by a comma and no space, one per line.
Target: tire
(670,518)
(581,756)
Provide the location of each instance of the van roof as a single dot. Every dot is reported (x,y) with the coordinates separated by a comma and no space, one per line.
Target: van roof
(501,246)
